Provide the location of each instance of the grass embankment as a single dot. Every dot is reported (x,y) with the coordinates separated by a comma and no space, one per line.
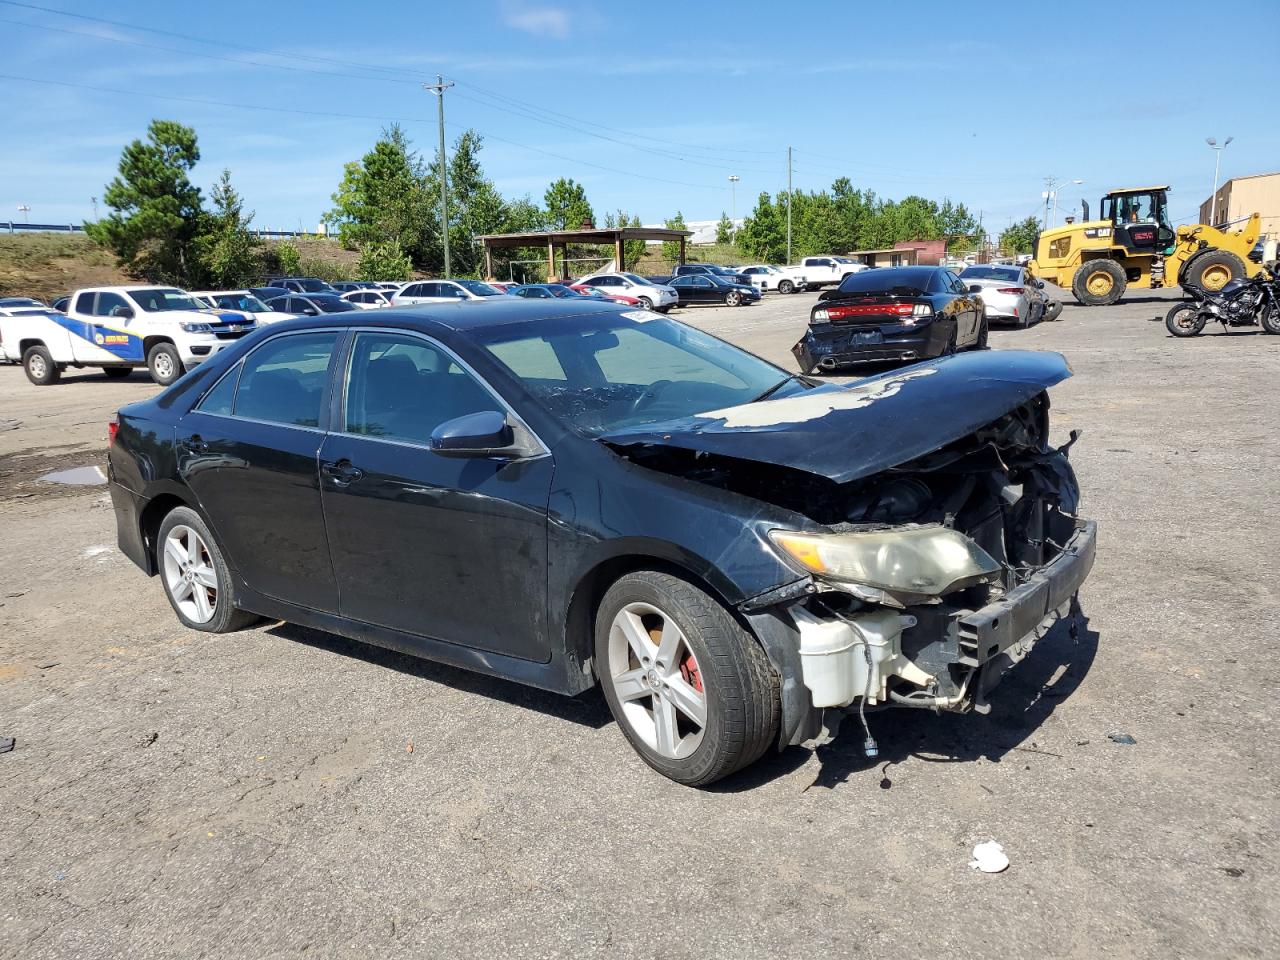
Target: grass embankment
(50,265)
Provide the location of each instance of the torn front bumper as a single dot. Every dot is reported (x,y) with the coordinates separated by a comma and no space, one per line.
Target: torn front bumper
(1001,634)
(828,346)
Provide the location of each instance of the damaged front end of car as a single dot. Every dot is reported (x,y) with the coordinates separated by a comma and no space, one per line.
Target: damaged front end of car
(920,582)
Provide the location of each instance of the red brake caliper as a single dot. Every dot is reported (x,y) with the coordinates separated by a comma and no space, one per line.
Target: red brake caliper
(689,670)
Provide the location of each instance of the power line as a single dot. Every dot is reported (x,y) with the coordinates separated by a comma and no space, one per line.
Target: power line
(348,116)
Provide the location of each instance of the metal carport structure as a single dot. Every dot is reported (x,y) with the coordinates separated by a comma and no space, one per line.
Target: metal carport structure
(551,240)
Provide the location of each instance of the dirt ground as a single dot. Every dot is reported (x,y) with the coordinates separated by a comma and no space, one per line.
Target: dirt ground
(283,792)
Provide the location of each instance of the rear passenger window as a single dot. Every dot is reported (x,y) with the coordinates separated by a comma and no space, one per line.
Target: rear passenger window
(84,303)
(219,400)
(402,388)
(283,380)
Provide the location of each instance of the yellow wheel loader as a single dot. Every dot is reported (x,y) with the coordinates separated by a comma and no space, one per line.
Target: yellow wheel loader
(1133,246)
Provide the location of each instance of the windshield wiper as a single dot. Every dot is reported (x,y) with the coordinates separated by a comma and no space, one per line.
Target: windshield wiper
(776,387)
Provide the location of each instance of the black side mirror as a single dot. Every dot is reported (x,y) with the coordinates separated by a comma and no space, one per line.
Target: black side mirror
(483,434)
(123,313)
(975,288)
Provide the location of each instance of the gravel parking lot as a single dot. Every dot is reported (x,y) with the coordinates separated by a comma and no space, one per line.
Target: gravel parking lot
(283,792)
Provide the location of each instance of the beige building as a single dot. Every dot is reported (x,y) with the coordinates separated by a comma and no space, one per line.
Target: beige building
(1243,196)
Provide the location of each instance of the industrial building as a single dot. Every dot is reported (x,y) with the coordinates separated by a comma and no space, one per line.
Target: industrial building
(1241,197)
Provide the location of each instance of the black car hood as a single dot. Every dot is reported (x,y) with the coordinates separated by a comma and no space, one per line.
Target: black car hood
(847,432)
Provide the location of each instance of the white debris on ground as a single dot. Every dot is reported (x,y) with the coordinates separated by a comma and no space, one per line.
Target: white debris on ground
(989,857)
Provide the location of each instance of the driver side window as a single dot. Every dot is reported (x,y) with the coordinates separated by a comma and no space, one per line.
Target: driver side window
(402,388)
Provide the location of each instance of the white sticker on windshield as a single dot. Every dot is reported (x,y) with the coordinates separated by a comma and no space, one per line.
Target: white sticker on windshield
(639,316)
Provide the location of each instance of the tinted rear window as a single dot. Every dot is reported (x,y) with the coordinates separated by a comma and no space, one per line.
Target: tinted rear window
(908,280)
(991,273)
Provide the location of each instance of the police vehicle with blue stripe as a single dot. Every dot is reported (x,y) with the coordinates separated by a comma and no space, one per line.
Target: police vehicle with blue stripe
(164,329)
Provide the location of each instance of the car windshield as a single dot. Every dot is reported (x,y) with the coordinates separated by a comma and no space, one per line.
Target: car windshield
(479,289)
(240,301)
(635,278)
(560,290)
(901,281)
(990,273)
(602,373)
(162,299)
(312,285)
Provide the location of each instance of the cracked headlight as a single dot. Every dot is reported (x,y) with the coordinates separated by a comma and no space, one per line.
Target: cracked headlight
(930,560)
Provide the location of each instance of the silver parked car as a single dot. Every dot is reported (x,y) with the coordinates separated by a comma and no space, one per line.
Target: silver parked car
(1010,294)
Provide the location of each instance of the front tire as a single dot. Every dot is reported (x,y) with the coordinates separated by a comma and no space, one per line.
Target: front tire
(1184,320)
(1052,310)
(165,364)
(786,286)
(1270,318)
(195,575)
(732,299)
(645,302)
(1099,283)
(981,342)
(691,690)
(37,363)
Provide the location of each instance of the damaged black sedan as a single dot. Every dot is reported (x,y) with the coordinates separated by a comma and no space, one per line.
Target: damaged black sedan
(567,494)
(892,315)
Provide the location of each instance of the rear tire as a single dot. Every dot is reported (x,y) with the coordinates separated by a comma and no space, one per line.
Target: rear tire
(715,667)
(786,286)
(195,576)
(165,364)
(1099,283)
(1184,320)
(117,373)
(37,363)
(1213,269)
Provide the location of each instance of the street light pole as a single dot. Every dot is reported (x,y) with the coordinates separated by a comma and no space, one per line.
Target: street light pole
(438,88)
(1217,163)
(24,210)
(1051,190)
(788,204)
(733,205)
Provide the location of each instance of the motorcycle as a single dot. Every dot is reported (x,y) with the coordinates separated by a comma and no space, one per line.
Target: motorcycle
(1240,303)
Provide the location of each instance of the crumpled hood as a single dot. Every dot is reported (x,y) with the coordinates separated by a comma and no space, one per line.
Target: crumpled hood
(847,432)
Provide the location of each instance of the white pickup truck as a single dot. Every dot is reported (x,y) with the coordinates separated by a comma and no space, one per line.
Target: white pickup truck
(119,328)
(767,276)
(824,271)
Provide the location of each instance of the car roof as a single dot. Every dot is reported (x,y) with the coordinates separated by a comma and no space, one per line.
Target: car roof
(464,315)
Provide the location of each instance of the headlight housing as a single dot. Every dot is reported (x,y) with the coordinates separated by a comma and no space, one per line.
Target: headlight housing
(930,560)
(197,327)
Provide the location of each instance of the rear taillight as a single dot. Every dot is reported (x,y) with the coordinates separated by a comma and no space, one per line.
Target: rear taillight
(1012,291)
(113,427)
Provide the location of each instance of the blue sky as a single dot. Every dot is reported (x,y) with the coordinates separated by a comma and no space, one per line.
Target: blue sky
(651,106)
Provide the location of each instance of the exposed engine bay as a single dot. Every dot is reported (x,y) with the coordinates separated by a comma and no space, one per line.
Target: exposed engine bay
(937,574)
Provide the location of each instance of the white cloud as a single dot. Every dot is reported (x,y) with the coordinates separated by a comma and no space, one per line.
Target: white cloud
(550,22)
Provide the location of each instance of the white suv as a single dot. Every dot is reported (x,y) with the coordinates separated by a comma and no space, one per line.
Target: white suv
(652,296)
(443,291)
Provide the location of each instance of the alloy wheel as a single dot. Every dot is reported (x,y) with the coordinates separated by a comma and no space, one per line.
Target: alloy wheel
(656,678)
(189,575)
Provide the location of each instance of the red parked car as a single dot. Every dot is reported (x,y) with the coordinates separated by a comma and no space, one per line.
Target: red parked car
(590,291)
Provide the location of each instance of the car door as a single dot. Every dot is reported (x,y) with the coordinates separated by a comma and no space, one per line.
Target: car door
(447,548)
(248,452)
(704,291)
(969,310)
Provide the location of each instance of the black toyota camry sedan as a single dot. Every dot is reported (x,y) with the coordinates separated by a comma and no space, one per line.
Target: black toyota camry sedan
(892,315)
(570,493)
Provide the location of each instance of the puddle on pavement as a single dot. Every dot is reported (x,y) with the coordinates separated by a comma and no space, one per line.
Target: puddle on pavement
(77,476)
